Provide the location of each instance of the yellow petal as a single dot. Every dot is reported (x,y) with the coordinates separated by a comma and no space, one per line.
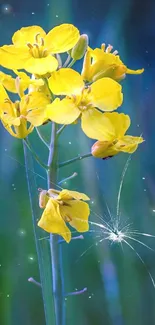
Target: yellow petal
(66,82)
(68,195)
(8,82)
(62,111)
(27,35)
(120,122)
(62,38)
(37,116)
(86,69)
(139,71)
(11,120)
(129,143)
(25,81)
(109,59)
(41,66)
(77,213)
(51,221)
(96,125)
(36,100)
(106,94)
(12,57)
(3,94)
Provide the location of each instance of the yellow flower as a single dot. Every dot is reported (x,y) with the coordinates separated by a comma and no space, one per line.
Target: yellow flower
(82,101)
(119,142)
(101,63)
(20,83)
(61,208)
(33,49)
(19,118)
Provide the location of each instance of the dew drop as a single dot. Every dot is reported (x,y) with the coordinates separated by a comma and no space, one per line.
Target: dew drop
(31,258)
(6,9)
(21,232)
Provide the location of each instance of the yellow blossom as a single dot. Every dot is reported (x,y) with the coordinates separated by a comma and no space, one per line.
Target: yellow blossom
(20,83)
(82,101)
(61,208)
(20,117)
(99,63)
(33,49)
(119,142)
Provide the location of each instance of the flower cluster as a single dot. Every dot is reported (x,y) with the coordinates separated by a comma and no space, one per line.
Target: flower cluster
(50,90)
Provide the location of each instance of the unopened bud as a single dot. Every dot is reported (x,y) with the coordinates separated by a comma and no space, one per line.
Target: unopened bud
(80,48)
(98,149)
(43,199)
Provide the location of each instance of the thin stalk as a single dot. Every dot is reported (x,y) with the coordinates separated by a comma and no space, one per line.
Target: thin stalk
(68,162)
(67,61)
(61,129)
(71,63)
(42,246)
(34,154)
(56,254)
(42,138)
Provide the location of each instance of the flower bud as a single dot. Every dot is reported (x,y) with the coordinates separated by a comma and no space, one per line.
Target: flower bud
(43,199)
(80,48)
(99,148)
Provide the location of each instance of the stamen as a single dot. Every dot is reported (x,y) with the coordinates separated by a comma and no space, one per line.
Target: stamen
(42,41)
(115,52)
(103,47)
(30,46)
(36,45)
(109,48)
(36,37)
(44,53)
(7,100)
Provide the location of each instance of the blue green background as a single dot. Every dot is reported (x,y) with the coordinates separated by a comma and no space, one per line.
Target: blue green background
(119,288)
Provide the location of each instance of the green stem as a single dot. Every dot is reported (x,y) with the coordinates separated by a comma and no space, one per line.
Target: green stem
(42,138)
(68,162)
(42,246)
(34,154)
(61,129)
(71,63)
(56,254)
(67,61)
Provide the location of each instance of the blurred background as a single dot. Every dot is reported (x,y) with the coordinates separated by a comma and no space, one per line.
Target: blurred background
(119,286)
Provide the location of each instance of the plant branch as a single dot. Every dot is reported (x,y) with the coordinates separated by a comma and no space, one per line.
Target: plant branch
(68,178)
(71,63)
(42,138)
(56,253)
(67,61)
(42,246)
(34,154)
(68,162)
(61,129)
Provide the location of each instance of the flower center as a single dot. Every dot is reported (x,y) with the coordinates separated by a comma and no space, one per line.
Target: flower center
(37,49)
(83,101)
